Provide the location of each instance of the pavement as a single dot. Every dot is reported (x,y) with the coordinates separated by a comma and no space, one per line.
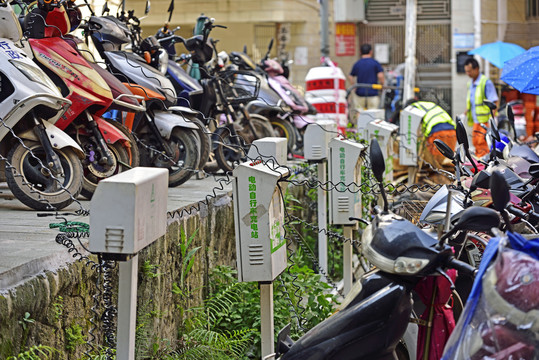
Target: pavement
(27,244)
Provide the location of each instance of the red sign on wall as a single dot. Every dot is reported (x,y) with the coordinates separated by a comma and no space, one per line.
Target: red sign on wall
(345,39)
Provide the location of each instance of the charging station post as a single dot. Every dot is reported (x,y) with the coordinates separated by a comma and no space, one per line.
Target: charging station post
(345,171)
(260,242)
(128,213)
(410,120)
(384,132)
(317,137)
(268,149)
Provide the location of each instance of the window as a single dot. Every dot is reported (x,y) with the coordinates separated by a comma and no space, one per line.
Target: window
(532,9)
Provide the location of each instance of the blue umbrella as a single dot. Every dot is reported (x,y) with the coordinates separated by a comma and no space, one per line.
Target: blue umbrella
(497,52)
(522,72)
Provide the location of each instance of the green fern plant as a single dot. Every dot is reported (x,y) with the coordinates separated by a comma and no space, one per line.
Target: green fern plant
(37,352)
(210,344)
(73,337)
(150,270)
(188,257)
(103,353)
(202,338)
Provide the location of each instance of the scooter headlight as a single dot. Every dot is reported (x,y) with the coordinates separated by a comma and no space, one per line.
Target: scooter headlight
(406,265)
(35,74)
(163,61)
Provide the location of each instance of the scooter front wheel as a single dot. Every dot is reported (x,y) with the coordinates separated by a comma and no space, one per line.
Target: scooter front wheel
(262,128)
(34,186)
(284,128)
(131,147)
(187,157)
(227,150)
(96,170)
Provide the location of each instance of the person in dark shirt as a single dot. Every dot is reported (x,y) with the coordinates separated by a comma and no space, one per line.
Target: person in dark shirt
(366,71)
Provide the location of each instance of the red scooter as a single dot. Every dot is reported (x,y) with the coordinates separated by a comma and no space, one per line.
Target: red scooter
(107,148)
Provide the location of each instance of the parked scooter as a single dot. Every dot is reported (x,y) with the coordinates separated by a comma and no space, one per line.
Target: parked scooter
(376,316)
(107,149)
(185,86)
(166,135)
(500,320)
(44,170)
(278,100)
(222,103)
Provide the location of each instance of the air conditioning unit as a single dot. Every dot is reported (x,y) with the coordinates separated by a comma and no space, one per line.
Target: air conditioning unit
(349,10)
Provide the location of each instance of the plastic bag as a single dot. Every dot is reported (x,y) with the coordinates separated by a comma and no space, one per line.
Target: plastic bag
(501,317)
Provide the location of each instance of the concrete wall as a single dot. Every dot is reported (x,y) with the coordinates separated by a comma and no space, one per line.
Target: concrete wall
(60,300)
(241,16)
(461,23)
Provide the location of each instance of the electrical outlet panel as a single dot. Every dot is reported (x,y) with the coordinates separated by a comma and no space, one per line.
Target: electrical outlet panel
(129,211)
(410,121)
(365,117)
(345,172)
(259,221)
(316,139)
(268,149)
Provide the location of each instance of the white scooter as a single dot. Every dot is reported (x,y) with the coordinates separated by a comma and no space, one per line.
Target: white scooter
(43,168)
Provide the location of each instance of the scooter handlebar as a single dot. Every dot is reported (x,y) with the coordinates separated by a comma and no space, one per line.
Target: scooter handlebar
(461,266)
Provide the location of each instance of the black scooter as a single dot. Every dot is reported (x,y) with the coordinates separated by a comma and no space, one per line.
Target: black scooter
(374,319)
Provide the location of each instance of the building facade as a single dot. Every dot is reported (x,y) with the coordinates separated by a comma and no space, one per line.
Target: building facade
(445,32)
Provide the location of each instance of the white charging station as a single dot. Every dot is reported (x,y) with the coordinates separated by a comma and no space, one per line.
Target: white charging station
(364,118)
(385,133)
(316,139)
(260,243)
(345,172)
(410,121)
(345,201)
(316,149)
(269,148)
(259,219)
(128,212)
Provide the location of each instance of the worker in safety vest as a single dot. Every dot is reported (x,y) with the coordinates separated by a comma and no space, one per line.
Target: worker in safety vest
(436,124)
(480,88)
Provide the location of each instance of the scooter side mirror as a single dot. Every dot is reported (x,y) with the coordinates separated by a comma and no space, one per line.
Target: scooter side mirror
(284,342)
(477,218)
(444,149)
(534,170)
(377,161)
(499,191)
(147,7)
(511,117)
(106,8)
(378,168)
(510,114)
(490,104)
(480,180)
(494,128)
(462,136)
(270,45)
